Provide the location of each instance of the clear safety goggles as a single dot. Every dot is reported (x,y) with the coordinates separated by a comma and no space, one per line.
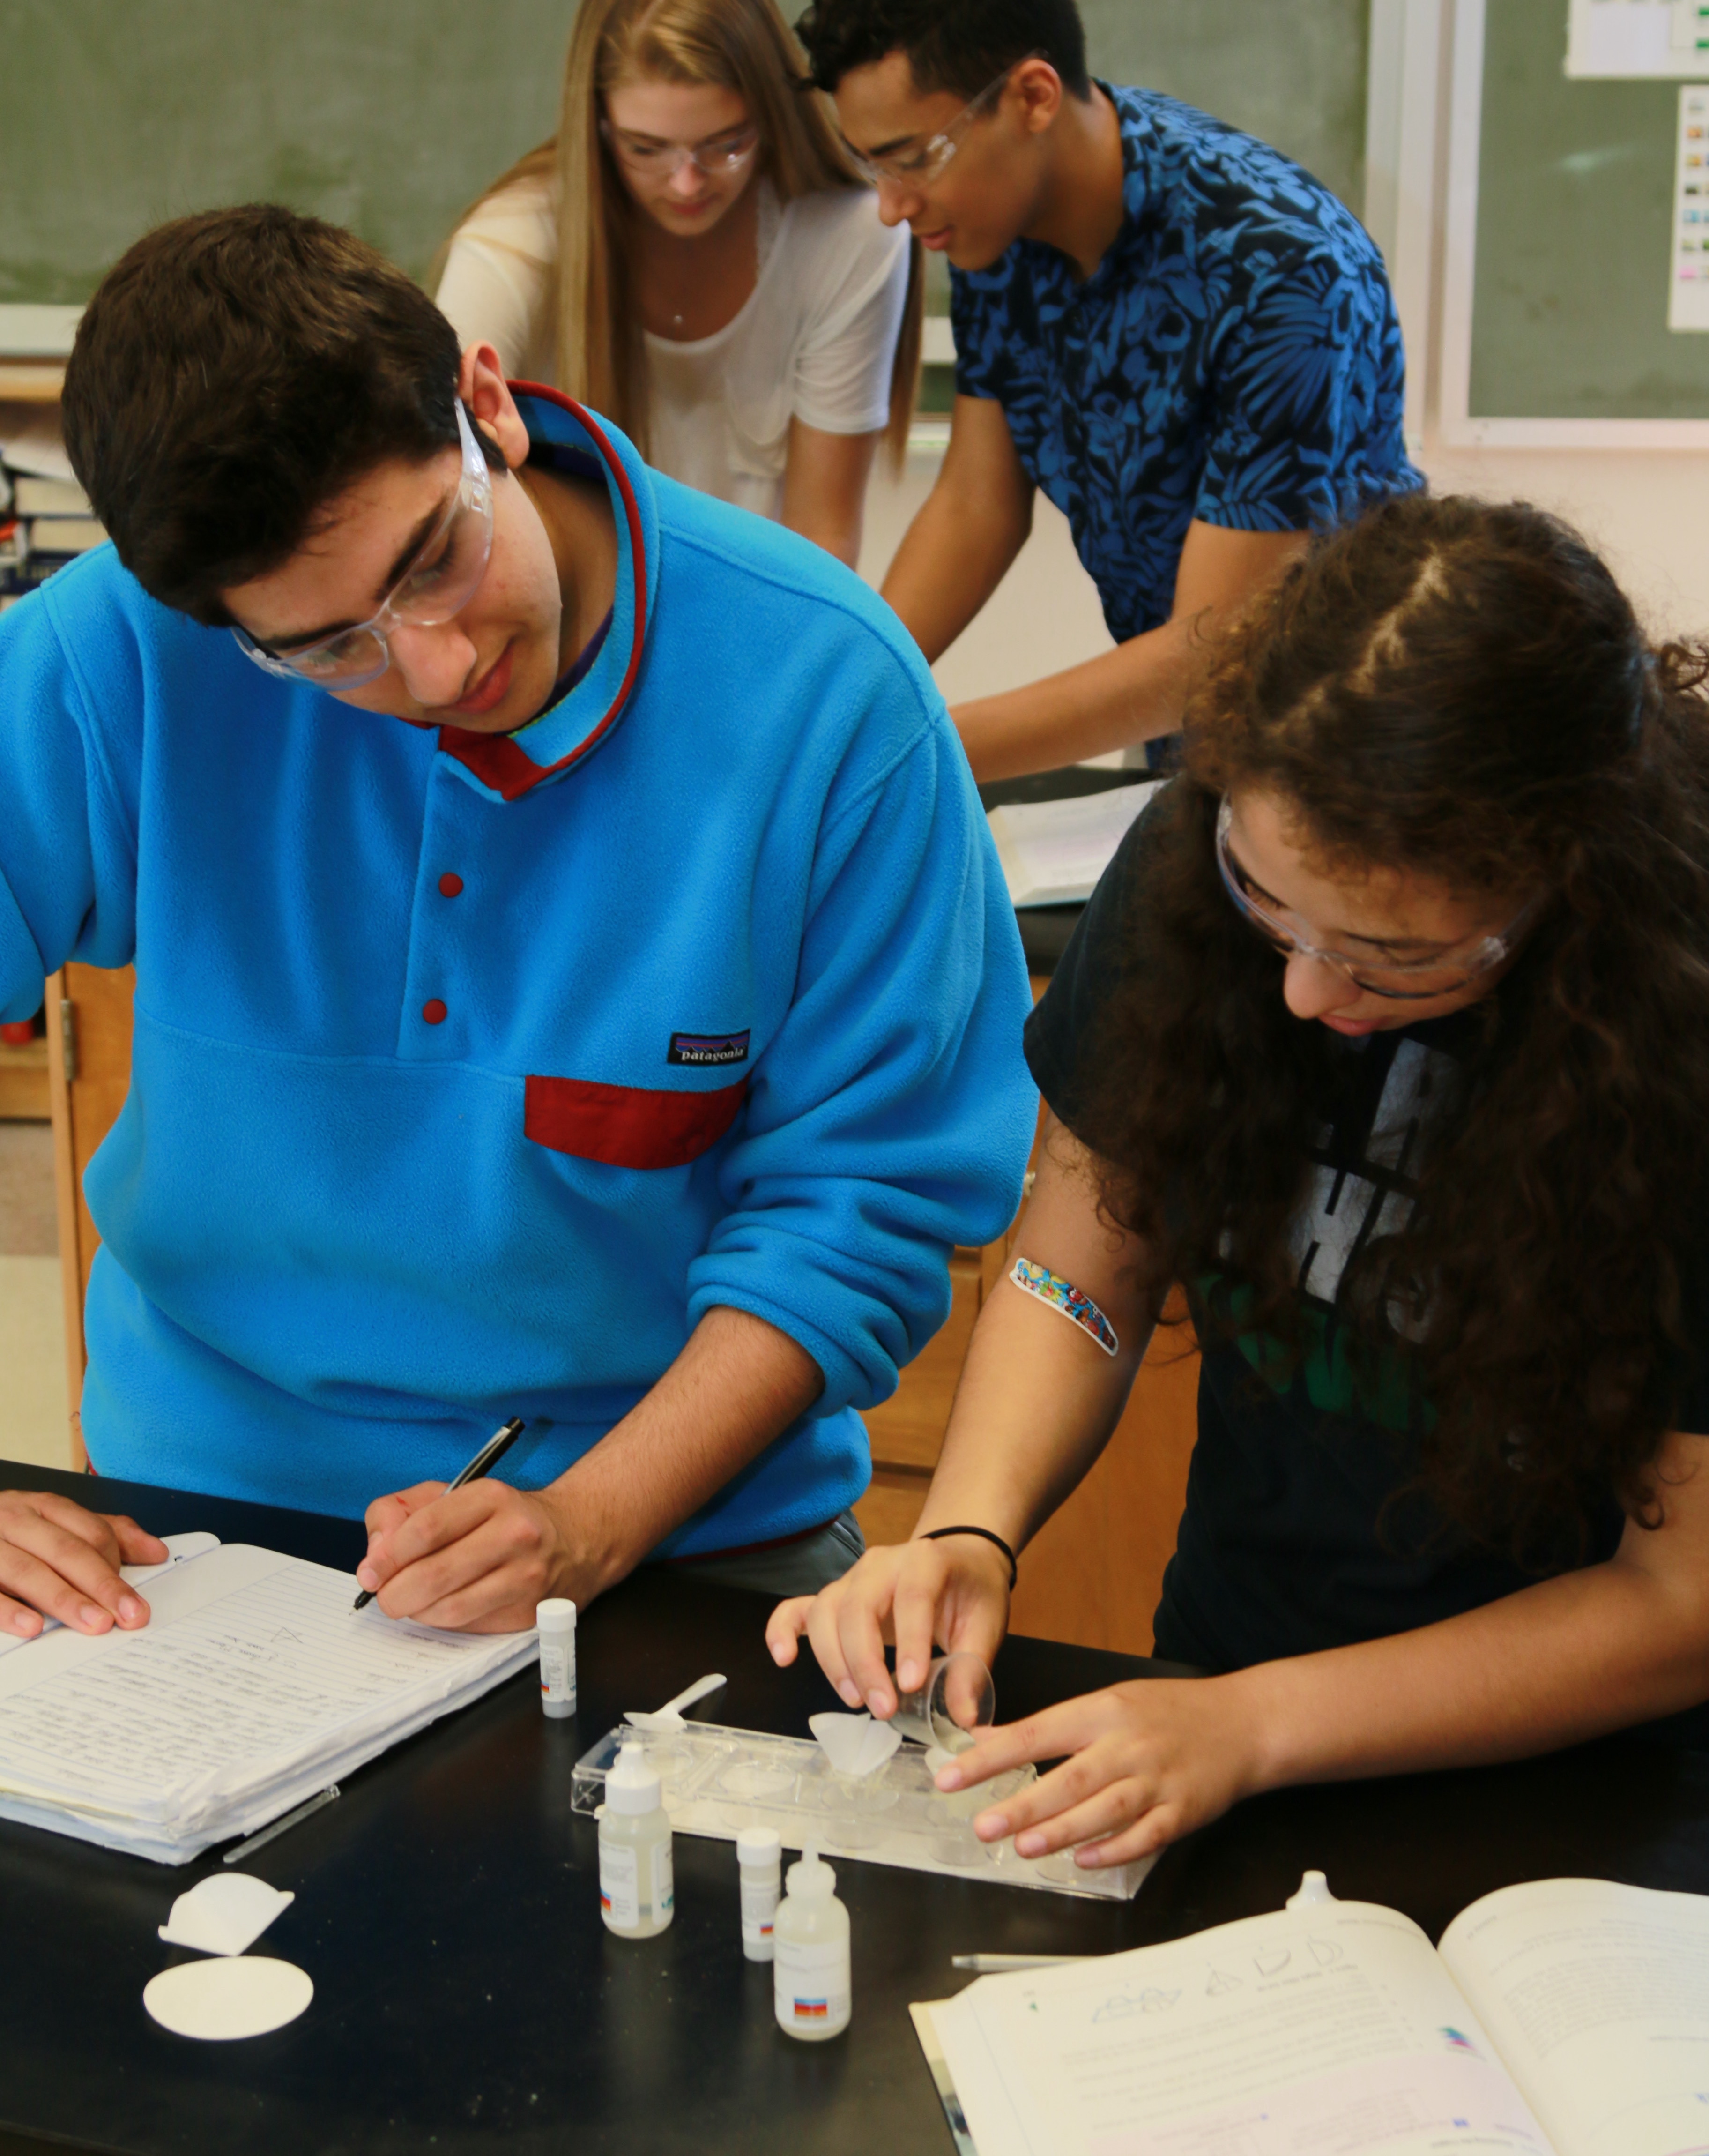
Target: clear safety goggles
(1445,973)
(920,167)
(438,583)
(719,157)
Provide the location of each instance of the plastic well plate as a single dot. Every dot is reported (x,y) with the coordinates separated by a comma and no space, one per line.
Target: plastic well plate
(716,1781)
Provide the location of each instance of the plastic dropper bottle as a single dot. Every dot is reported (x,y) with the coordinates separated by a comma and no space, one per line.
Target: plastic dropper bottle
(812,1987)
(637,1882)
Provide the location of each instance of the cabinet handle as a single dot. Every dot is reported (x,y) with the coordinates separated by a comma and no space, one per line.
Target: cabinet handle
(68,1038)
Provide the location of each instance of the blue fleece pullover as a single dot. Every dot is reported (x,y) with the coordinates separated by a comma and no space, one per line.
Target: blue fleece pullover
(470,1071)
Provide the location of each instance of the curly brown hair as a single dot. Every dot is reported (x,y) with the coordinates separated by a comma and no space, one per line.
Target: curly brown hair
(1460,689)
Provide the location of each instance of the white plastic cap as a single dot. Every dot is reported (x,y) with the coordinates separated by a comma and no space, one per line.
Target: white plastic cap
(760,1846)
(557,1615)
(632,1784)
(813,1880)
(1313,1888)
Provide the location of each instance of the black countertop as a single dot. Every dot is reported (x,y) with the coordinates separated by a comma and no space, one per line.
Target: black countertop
(468,1997)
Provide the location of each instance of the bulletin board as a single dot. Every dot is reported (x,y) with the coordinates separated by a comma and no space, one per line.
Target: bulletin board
(1562,252)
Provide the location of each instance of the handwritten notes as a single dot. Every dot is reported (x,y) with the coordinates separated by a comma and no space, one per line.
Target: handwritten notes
(254,1684)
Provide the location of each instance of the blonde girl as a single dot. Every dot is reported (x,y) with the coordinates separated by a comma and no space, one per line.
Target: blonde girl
(694,255)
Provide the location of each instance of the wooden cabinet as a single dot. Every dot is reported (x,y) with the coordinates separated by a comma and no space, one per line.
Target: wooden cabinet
(88,1075)
(24,1081)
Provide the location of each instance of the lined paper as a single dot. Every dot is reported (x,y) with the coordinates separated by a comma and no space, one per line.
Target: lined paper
(254,1675)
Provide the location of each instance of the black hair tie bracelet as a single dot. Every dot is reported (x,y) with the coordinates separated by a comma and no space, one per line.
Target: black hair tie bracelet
(937,1534)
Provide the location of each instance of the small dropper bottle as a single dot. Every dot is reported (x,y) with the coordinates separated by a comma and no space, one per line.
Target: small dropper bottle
(812,1987)
(637,1882)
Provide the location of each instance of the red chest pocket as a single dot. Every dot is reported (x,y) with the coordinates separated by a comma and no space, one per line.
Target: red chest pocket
(627,1126)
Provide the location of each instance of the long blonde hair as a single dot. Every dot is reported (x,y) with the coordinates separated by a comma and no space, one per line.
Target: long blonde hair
(743,45)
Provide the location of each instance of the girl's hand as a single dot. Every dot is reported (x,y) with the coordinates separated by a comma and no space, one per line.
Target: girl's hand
(1143,1763)
(955,1592)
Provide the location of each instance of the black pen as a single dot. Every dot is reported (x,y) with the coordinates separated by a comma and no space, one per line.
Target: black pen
(484,1462)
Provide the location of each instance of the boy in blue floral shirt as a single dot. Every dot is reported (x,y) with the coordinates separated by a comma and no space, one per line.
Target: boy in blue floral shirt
(1178,334)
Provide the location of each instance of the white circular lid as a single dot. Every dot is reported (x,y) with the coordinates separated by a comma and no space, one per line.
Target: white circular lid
(759,1845)
(556,1616)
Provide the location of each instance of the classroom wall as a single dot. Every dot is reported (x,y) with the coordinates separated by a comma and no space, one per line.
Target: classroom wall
(1645,510)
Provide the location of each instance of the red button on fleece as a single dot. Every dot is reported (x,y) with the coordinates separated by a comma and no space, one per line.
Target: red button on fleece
(450,886)
(434,1012)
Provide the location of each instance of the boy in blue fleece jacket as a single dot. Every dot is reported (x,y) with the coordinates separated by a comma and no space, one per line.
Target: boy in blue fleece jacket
(619,1042)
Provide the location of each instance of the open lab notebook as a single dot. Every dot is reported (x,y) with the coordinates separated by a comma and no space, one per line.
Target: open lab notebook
(254,1684)
(1567,2018)
(1052,852)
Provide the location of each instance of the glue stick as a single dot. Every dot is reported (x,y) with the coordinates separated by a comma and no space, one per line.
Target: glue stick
(811,1985)
(556,1623)
(760,1855)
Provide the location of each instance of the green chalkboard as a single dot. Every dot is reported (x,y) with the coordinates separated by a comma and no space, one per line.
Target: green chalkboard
(1291,71)
(388,116)
(1574,237)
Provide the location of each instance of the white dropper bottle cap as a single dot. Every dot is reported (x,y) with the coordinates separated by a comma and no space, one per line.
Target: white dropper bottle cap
(632,1785)
(812,1879)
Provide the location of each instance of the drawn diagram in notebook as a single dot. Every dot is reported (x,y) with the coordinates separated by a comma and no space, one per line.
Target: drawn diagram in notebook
(1220,1982)
(1152,2000)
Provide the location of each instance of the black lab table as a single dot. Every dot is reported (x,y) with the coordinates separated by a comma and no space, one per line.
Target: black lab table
(467,1997)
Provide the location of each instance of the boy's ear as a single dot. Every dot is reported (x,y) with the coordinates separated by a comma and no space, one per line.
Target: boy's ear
(1040,88)
(481,385)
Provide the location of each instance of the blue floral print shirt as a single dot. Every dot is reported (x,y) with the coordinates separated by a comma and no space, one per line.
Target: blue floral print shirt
(1235,358)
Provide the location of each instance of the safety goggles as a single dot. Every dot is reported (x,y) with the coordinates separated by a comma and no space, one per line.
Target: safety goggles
(1445,973)
(440,581)
(920,167)
(719,157)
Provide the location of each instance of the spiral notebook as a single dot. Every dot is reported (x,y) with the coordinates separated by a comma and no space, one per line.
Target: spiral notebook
(254,1684)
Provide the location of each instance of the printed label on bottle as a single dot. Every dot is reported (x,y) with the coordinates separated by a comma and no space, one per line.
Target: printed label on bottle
(619,1885)
(557,1671)
(759,1906)
(664,1878)
(811,1983)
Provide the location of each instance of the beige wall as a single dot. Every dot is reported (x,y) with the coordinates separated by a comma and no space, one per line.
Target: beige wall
(1044,616)
(1646,510)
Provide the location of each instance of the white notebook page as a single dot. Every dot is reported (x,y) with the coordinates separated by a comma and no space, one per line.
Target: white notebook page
(1053,852)
(250,1661)
(1332,2028)
(1598,1996)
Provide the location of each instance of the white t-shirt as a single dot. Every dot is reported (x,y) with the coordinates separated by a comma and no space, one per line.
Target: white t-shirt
(814,341)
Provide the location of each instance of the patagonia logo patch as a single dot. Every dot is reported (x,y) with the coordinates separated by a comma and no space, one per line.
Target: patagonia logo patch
(705,1049)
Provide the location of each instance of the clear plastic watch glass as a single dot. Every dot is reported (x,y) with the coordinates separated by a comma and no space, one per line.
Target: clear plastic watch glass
(438,583)
(917,168)
(1456,966)
(716,158)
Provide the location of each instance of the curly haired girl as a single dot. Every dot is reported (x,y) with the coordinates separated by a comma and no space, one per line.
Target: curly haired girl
(1387,1034)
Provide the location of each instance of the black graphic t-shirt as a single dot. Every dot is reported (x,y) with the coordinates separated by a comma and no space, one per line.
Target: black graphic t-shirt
(1286,1547)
